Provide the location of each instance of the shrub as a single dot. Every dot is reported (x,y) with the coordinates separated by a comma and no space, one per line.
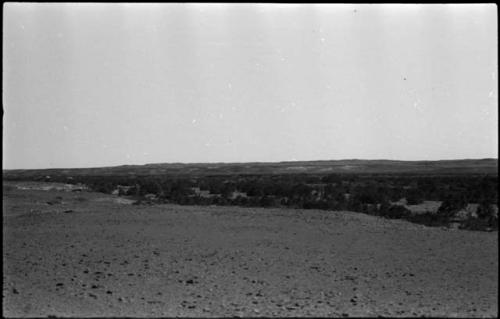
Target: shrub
(451,205)
(476,224)
(414,197)
(396,212)
(487,215)
(428,219)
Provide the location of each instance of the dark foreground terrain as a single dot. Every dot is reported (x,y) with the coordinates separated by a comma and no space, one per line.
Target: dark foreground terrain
(92,254)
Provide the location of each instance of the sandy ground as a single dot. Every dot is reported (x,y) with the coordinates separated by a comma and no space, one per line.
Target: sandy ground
(86,254)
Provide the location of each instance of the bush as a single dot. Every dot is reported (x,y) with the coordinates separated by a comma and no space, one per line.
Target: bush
(487,215)
(428,219)
(414,197)
(485,211)
(477,224)
(395,212)
(451,205)
(267,201)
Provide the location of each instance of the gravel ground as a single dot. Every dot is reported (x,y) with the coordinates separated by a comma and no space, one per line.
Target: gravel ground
(85,254)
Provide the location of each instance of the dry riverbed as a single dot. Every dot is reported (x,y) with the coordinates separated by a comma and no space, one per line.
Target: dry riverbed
(88,254)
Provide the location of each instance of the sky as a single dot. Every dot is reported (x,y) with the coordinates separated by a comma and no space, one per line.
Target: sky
(89,85)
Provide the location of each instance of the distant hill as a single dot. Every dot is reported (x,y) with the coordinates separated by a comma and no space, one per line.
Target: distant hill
(351,166)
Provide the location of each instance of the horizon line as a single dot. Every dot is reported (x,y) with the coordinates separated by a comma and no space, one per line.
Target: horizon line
(253,162)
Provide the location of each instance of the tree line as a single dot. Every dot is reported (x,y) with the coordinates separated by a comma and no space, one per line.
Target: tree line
(370,194)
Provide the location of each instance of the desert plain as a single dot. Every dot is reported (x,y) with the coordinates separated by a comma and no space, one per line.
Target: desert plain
(85,254)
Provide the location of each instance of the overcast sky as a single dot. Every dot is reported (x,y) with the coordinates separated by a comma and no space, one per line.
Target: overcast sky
(110,84)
